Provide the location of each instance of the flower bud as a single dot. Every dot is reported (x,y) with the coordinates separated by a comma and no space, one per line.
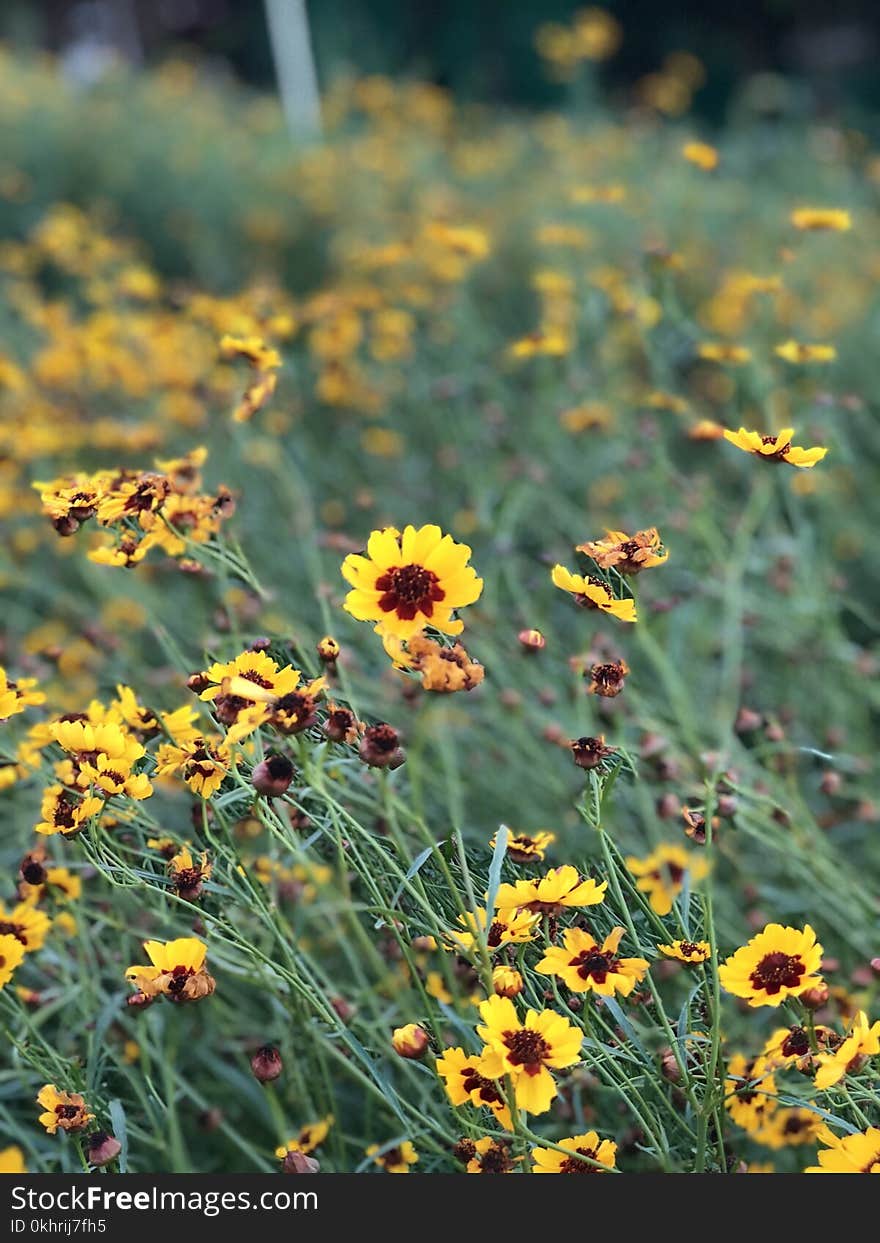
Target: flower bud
(532,640)
(299,1163)
(410,1041)
(380,747)
(815,998)
(328,650)
(266,1064)
(507,982)
(272,776)
(102,1148)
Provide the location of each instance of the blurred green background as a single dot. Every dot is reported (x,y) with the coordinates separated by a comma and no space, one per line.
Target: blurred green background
(485,51)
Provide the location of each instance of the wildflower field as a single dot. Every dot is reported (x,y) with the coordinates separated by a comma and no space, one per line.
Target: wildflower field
(439,688)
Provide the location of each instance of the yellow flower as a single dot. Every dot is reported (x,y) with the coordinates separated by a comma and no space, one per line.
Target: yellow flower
(202,764)
(775,448)
(548,342)
(597,1152)
(661,874)
(508,927)
(750,1092)
(724,352)
(701,154)
(526,1051)
(850,1154)
(527,848)
(779,962)
(411,580)
(308,1139)
(177,970)
(251,675)
(11,954)
(466,1083)
(585,966)
(560,888)
(628,554)
(862,1041)
(395,1160)
(62,811)
(507,981)
(811,219)
(592,593)
(26,923)
(790,1127)
(687,951)
(12,1160)
(800,352)
(16,696)
(490,1156)
(66,1110)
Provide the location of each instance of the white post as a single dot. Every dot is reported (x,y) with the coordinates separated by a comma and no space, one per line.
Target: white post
(288,24)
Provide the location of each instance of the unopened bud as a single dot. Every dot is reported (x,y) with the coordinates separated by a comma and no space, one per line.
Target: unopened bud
(272,776)
(266,1064)
(507,982)
(410,1041)
(815,998)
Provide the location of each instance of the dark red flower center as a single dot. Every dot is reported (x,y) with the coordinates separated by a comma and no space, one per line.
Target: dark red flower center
(409,589)
(13,930)
(796,1043)
(595,964)
(67,1111)
(776,971)
(571,1165)
(473,1081)
(526,1048)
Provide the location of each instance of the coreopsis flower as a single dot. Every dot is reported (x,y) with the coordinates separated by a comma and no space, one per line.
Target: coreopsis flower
(62,811)
(490,1156)
(177,971)
(410,1041)
(687,951)
(341,725)
(526,1051)
(549,342)
(607,680)
(264,361)
(266,681)
(396,1160)
(309,1138)
(72,499)
(601,1152)
(380,746)
(508,927)
(16,696)
(201,763)
(816,219)
(550,894)
(750,1092)
(297,710)
(140,720)
(592,593)
(26,922)
(445,669)
(790,1127)
(800,352)
(791,1046)
(862,1041)
(849,1154)
(507,981)
(65,1111)
(116,777)
(779,962)
(701,154)
(12,1160)
(465,1083)
(775,448)
(187,875)
(661,874)
(586,966)
(12,953)
(526,848)
(410,580)
(137,497)
(724,352)
(590,752)
(628,554)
